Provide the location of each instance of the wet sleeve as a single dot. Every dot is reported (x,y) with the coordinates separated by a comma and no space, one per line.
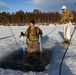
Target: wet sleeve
(40,32)
(26,32)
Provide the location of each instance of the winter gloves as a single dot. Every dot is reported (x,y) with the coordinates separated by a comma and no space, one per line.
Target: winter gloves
(22,34)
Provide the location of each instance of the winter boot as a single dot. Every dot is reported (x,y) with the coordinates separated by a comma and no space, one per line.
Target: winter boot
(66,41)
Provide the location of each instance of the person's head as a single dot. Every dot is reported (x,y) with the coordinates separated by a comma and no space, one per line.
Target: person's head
(32,23)
(64,8)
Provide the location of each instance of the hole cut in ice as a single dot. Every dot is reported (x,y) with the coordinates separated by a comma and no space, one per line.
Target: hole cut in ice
(19,60)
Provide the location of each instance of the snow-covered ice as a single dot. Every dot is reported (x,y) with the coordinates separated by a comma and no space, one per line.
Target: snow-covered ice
(51,39)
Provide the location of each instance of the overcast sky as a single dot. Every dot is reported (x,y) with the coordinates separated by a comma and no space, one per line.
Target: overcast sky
(29,5)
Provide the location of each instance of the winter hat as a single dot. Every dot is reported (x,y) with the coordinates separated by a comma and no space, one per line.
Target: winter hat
(63,7)
(32,21)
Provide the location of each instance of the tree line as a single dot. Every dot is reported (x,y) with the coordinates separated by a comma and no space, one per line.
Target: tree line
(21,18)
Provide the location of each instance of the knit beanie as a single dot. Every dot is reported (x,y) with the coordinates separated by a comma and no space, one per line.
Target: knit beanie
(32,21)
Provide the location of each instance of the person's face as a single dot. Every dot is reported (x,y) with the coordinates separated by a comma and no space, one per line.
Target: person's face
(31,24)
(64,10)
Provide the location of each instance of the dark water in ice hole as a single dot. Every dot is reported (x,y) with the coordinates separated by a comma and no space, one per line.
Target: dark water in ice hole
(18,60)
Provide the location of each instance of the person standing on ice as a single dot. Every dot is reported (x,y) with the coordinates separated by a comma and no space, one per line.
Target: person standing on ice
(66,18)
(33,33)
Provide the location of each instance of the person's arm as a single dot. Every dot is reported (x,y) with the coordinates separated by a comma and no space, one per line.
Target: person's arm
(71,16)
(40,32)
(62,19)
(24,34)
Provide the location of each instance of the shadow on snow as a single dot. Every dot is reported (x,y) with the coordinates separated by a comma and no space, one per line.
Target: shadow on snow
(5,37)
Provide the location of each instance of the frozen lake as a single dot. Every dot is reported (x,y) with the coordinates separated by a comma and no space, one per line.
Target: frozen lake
(52,38)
